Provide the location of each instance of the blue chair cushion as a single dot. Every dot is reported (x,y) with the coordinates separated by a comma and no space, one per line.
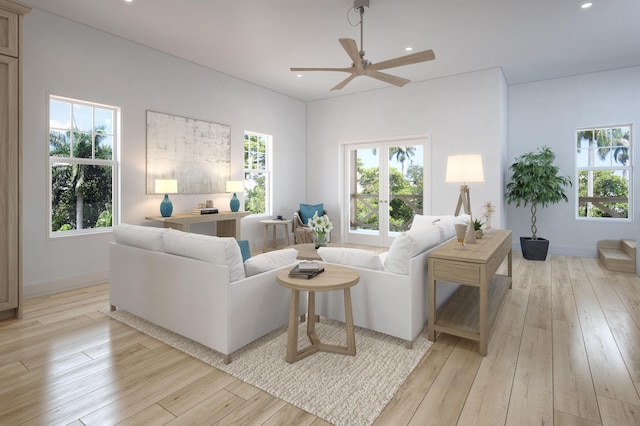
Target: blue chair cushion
(307,211)
(244,249)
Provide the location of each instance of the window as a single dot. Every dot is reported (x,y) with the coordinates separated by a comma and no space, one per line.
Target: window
(83,141)
(257,173)
(604,172)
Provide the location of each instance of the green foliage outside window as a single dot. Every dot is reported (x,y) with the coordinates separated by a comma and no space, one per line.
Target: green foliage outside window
(82,167)
(80,193)
(604,171)
(605,184)
(400,183)
(256,173)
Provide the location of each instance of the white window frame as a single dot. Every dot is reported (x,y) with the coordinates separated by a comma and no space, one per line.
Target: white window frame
(114,163)
(628,169)
(267,172)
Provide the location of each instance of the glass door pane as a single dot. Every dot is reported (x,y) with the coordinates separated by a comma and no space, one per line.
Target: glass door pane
(383,189)
(364,185)
(406,183)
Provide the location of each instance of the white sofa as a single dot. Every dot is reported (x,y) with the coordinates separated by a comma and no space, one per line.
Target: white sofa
(198,286)
(391,297)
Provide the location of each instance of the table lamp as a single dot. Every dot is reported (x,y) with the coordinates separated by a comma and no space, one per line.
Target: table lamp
(235,186)
(464,169)
(166,187)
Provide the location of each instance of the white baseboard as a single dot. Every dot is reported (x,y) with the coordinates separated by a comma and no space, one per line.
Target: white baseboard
(566,251)
(51,287)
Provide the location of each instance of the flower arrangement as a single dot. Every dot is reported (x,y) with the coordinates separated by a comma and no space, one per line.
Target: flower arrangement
(320,226)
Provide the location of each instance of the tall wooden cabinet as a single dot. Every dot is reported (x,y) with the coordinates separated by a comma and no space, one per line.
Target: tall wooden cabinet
(11,14)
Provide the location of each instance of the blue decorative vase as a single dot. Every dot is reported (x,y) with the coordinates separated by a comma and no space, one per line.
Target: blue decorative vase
(166,208)
(234,203)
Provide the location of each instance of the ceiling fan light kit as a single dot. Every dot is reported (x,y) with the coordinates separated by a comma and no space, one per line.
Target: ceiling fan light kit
(361,66)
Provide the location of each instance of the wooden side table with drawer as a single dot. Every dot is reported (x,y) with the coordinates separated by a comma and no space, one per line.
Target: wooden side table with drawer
(470,313)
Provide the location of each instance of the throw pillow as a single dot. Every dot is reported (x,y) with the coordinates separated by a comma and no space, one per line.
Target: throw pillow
(445,223)
(244,249)
(409,244)
(307,211)
(269,261)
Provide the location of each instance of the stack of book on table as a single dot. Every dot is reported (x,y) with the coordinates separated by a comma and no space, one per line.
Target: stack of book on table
(306,269)
(208,210)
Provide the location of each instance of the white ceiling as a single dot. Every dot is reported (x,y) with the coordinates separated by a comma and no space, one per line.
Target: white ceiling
(258,40)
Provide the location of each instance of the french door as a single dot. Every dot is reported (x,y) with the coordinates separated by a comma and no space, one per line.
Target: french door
(383,185)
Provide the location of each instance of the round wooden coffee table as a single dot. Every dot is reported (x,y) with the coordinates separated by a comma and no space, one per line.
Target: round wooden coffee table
(334,277)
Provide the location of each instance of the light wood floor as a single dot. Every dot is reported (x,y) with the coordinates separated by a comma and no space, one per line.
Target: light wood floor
(566,351)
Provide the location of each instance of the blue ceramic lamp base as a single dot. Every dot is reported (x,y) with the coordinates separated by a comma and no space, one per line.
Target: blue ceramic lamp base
(166,208)
(234,204)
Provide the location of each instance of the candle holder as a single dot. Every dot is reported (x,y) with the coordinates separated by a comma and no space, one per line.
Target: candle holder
(461,230)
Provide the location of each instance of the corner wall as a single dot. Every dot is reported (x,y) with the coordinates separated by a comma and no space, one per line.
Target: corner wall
(64,58)
(548,113)
(463,114)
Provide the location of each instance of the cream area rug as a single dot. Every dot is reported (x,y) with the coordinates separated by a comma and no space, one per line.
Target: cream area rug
(340,389)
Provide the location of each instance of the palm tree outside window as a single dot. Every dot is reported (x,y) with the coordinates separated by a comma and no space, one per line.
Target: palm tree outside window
(604,172)
(83,139)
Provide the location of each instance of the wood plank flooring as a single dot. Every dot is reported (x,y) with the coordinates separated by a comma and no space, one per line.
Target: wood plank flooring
(565,351)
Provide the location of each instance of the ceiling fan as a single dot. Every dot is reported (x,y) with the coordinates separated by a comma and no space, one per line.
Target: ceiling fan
(361,66)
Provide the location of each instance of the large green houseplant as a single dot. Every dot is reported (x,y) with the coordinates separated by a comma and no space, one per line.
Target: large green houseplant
(535,180)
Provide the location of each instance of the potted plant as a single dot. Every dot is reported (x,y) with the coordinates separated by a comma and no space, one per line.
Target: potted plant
(477,226)
(535,180)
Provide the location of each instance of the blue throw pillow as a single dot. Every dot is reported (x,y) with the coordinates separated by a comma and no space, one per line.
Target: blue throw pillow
(307,211)
(244,249)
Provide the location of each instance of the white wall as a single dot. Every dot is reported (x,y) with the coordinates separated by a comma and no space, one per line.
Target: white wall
(72,60)
(463,114)
(548,113)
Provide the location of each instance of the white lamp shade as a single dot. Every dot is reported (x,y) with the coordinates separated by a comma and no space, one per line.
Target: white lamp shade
(235,186)
(166,186)
(464,168)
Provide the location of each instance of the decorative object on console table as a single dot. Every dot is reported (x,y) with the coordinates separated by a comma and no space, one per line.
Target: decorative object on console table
(535,180)
(461,230)
(235,186)
(320,226)
(477,227)
(489,210)
(166,187)
(464,169)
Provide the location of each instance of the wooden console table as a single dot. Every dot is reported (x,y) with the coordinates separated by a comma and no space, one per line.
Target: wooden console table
(470,313)
(228,223)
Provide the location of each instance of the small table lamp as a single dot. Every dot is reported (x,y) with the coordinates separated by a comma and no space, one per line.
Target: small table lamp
(235,186)
(166,187)
(464,169)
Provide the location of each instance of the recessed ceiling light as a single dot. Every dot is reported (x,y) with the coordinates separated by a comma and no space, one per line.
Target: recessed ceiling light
(128,1)
(586,5)
(299,75)
(408,49)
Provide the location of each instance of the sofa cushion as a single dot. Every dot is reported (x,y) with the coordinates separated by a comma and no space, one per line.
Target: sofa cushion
(307,211)
(145,237)
(408,244)
(217,250)
(270,261)
(351,256)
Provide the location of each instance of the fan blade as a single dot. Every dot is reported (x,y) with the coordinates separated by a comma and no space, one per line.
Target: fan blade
(350,69)
(345,81)
(414,58)
(387,78)
(350,46)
